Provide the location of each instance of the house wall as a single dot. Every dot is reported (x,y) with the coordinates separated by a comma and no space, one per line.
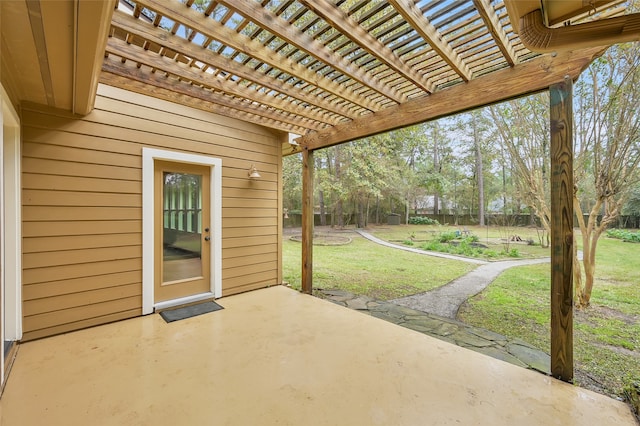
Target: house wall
(82,205)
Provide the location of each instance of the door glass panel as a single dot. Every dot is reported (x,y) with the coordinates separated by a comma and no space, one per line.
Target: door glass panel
(182,226)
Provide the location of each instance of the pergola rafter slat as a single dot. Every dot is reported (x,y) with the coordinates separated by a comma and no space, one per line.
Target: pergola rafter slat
(430,34)
(181,92)
(308,44)
(492,22)
(253,48)
(347,26)
(208,57)
(172,67)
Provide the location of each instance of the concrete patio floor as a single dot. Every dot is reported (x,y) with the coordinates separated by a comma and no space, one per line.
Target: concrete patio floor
(275,356)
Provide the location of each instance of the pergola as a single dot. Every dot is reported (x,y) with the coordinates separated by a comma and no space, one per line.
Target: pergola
(336,71)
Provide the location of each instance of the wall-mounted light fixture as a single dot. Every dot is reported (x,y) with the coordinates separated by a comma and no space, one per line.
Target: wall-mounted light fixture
(253,172)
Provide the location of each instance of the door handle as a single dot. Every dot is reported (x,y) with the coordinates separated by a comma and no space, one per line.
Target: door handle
(207,238)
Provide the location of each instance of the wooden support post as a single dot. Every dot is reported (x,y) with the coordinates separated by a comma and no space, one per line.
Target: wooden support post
(307,220)
(562,230)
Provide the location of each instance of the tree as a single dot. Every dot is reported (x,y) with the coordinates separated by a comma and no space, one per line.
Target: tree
(523,128)
(474,129)
(607,147)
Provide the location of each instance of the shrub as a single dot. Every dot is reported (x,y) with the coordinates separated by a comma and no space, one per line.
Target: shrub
(491,253)
(421,220)
(445,237)
(407,242)
(624,235)
(435,246)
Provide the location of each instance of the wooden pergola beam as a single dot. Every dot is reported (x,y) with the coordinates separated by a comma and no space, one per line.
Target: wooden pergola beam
(358,35)
(291,34)
(491,20)
(129,77)
(162,38)
(139,55)
(525,78)
(562,230)
(430,34)
(227,36)
(307,221)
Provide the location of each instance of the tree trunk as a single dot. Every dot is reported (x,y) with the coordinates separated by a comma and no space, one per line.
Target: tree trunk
(360,215)
(436,168)
(338,171)
(479,173)
(323,214)
(591,232)
(406,211)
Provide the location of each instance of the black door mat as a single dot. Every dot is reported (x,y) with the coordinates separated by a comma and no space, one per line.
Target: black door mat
(190,311)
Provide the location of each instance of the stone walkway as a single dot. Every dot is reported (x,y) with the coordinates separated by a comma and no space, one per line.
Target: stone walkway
(514,351)
(433,312)
(446,300)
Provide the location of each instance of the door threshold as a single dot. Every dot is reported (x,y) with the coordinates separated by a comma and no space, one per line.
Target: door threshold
(183,301)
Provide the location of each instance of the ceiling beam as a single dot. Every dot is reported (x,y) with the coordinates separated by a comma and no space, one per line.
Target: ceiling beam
(253,48)
(163,38)
(351,29)
(490,18)
(414,17)
(173,90)
(90,32)
(291,34)
(523,79)
(151,59)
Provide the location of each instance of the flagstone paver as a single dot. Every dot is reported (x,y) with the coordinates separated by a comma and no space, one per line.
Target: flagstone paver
(514,351)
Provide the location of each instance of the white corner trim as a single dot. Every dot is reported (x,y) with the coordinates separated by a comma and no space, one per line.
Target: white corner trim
(12,223)
(10,227)
(149,155)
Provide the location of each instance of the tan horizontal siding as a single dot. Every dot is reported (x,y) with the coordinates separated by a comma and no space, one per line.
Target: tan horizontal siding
(77,213)
(232,212)
(67,272)
(251,203)
(242,261)
(78,313)
(251,231)
(78,155)
(68,301)
(247,286)
(74,242)
(244,270)
(81,184)
(136,134)
(76,285)
(37,197)
(248,241)
(82,205)
(230,253)
(74,257)
(69,168)
(236,222)
(77,325)
(88,227)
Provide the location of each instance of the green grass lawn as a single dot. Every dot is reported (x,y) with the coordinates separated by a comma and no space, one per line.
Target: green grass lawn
(366,268)
(606,335)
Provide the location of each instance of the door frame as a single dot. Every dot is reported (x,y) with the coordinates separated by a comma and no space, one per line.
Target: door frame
(10,226)
(149,156)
